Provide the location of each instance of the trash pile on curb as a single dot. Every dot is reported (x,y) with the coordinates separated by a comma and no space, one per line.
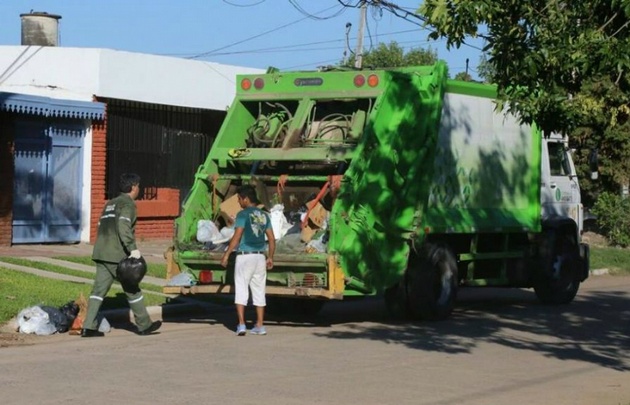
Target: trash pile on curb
(46,320)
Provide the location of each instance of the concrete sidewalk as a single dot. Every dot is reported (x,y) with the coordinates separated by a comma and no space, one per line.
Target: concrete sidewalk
(152,250)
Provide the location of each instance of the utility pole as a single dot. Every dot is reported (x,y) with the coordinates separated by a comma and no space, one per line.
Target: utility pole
(359,53)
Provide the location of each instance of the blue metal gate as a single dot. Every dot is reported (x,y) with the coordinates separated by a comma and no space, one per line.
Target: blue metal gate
(48,180)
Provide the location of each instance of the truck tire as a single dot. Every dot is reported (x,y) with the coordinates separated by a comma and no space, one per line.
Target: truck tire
(431,283)
(561,267)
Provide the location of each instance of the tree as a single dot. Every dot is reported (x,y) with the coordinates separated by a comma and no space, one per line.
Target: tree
(485,70)
(463,76)
(393,55)
(563,64)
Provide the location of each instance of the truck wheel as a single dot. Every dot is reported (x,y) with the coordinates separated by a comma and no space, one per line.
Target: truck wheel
(431,283)
(559,280)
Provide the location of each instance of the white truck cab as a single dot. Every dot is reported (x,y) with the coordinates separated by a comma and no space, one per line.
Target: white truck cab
(560,190)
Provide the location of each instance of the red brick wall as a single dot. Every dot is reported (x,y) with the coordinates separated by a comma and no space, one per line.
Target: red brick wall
(155,217)
(98,193)
(6,181)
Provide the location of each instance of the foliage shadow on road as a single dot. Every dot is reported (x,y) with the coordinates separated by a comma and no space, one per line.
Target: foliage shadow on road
(594,328)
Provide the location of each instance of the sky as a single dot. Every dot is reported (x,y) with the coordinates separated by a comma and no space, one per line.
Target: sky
(287,34)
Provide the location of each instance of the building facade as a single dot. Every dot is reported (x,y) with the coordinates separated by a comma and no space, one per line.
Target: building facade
(101,113)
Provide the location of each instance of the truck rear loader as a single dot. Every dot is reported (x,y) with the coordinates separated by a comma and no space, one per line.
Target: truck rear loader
(397,182)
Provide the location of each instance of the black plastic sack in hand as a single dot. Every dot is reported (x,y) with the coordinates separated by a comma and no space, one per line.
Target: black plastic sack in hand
(57,318)
(130,272)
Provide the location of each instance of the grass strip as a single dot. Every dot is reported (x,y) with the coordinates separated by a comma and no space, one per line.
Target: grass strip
(616,260)
(22,290)
(64,270)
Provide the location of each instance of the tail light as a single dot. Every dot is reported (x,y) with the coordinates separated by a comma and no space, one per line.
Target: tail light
(372,80)
(359,80)
(246,84)
(205,277)
(259,83)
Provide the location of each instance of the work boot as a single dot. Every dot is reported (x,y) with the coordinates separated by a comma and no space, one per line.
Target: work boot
(91,333)
(151,329)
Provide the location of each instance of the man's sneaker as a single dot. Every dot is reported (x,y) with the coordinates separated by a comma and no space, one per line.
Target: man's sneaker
(241,330)
(258,330)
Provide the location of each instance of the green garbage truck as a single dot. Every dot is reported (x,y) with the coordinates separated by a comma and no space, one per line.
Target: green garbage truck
(393,182)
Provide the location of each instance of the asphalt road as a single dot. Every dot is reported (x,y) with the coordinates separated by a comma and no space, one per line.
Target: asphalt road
(499,347)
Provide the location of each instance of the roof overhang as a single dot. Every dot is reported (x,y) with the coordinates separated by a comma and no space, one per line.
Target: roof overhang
(51,107)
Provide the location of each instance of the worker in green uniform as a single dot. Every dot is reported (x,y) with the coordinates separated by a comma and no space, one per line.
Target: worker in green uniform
(115,241)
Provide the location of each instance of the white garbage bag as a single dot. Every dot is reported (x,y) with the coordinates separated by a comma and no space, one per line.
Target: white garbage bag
(104,326)
(181,280)
(279,222)
(35,320)
(207,231)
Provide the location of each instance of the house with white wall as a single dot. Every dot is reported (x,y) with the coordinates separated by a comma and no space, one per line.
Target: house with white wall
(72,118)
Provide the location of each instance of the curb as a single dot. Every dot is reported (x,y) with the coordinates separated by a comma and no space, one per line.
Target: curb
(599,272)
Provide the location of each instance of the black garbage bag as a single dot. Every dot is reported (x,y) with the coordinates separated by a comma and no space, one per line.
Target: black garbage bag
(57,318)
(70,310)
(130,272)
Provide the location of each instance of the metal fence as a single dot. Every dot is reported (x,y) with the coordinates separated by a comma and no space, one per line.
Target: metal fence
(163,144)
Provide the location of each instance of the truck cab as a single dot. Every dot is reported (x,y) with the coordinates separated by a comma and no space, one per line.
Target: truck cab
(560,190)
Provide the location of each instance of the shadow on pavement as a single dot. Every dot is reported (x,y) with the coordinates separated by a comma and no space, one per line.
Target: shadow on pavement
(595,328)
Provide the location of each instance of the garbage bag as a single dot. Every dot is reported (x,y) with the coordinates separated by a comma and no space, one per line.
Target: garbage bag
(207,231)
(70,310)
(279,222)
(181,280)
(104,326)
(316,245)
(57,318)
(130,272)
(35,320)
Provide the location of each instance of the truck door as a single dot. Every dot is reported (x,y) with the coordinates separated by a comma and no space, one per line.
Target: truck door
(560,191)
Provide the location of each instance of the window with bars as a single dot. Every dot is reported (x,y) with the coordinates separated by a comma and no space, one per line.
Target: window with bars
(163,144)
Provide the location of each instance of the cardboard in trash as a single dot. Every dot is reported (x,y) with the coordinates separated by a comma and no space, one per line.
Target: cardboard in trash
(316,220)
(229,208)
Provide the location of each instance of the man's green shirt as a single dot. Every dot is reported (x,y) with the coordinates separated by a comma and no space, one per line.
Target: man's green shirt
(116,230)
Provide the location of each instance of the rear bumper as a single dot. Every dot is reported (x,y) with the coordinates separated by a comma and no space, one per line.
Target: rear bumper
(303,292)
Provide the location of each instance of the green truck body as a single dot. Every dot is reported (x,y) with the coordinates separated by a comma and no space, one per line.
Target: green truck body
(423,186)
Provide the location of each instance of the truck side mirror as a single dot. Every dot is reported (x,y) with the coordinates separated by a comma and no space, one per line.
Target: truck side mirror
(593,164)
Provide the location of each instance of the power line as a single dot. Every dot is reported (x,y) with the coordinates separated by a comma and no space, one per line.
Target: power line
(244,5)
(402,13)
(299,8)
(256,36)
(309,64)
(277,50)
(188,54)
